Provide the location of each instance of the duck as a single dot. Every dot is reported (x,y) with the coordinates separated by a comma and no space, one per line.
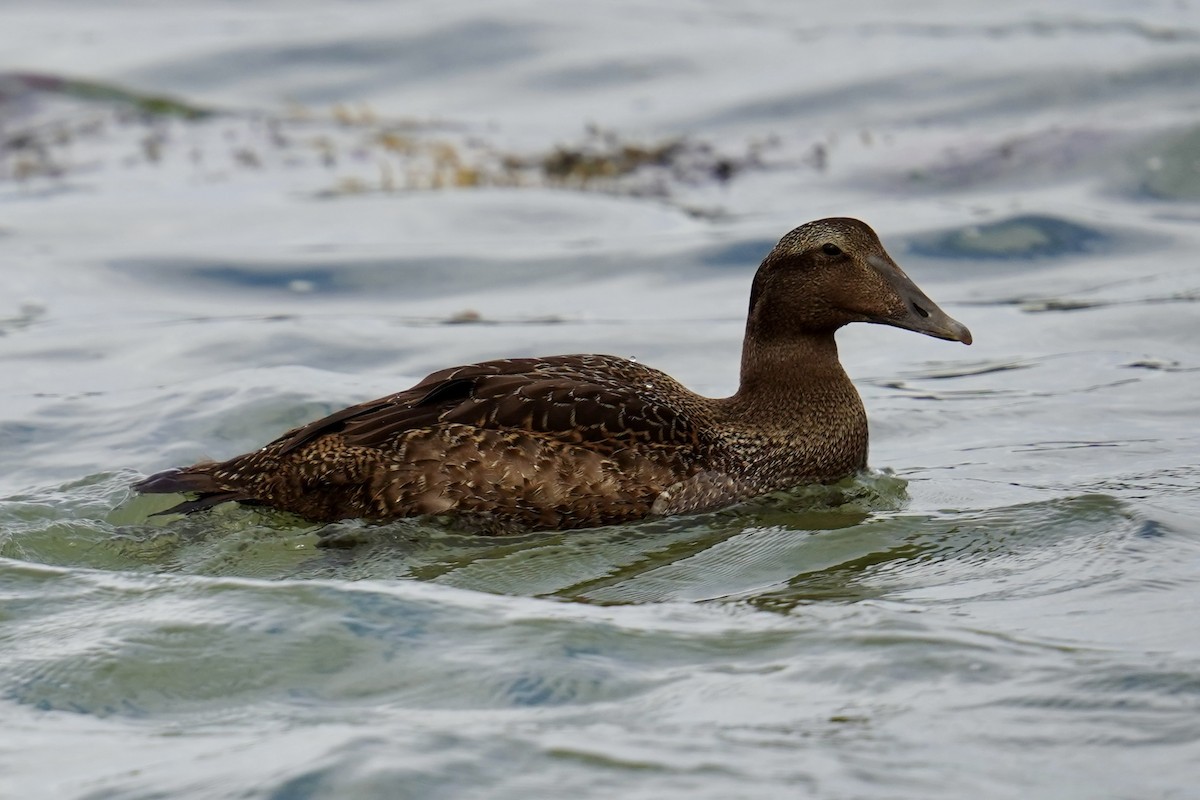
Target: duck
(577,441)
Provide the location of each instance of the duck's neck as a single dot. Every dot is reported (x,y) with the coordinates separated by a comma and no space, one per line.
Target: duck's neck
(781,378)
(796,416)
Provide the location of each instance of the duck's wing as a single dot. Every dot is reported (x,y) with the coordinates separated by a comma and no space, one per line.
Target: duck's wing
(605,401)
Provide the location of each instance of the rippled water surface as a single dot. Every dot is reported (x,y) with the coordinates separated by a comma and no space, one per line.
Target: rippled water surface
(218,222)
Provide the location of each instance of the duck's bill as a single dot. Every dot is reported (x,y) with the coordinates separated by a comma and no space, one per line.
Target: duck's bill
(914,311)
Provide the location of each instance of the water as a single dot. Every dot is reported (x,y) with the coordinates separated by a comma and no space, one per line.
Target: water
(1006,608)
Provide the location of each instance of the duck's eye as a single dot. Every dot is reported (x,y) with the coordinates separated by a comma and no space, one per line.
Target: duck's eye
(831,249)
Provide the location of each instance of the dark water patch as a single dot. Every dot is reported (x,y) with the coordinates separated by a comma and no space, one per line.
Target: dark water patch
(1152,529)
(306,282)
(1016,238)
(297,280)
(745,254)
(300,281)
(311,784)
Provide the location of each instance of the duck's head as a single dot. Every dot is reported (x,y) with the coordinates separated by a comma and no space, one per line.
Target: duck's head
(834,271)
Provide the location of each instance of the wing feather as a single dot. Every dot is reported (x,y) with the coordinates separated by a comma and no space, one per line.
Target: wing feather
(605,401)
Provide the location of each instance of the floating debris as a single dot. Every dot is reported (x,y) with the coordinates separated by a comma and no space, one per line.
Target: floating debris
(605,156)
(59,128)
(468,316)
(1060,304)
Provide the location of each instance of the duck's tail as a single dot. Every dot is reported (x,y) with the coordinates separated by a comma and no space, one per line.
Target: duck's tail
(191,480)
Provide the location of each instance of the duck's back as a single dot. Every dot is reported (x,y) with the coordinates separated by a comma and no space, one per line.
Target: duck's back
(558,442)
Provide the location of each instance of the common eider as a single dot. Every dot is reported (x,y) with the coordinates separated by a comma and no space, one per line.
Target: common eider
(574,441)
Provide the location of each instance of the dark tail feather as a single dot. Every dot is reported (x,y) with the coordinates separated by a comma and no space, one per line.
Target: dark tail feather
(200,503)
(178,481)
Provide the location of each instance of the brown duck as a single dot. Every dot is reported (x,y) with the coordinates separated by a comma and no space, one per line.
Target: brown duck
(582,440)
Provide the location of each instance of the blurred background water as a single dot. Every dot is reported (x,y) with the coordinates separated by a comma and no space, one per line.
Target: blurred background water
(219,220)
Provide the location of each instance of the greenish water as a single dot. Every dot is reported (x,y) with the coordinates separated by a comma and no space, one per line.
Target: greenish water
(1007,606)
